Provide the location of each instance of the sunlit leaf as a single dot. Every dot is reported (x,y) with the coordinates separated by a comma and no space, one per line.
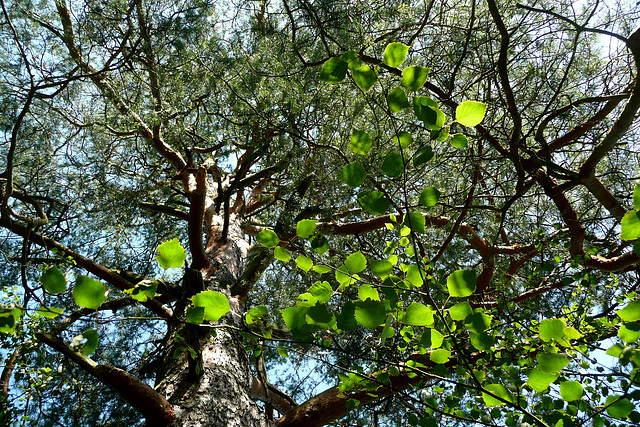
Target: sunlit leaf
(481,341)
(353,174)
(470,113)
(374,202)
(395,54)
(630,226)
(571,390)
(429,197)
(552,362)
(459,140)
(319,244)
(256,314)
(215,304)
(86,343)
(333,70)
(294,317)
(143,290)
(360,142)
(53,280)
(539,380)
(281,254)
(365,77)
(304,263)
(432,338)
(636,197)
(478,322)
(305,228)
(171,254)
(413,78)
(356,262)
(88,293)
(49,312)
(618,407)
(551,329)
(460,311)
(631,313)
(413,275)
(322,291)
(321,269)
(462,283)
(397,100)
(381,268)
(627,334)
(367,291)
(498,390)
(268,238)
(418,314)
(440,356)
(403,139)
(8,319)
(370,314)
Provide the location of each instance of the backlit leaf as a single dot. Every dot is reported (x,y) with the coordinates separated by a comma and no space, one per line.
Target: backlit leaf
(418,314)
(333,70)
(552,362)
(367,291)
(86,342)
(459,140)
(356,262)
(53,280)
(353,174)
(413,78)
(88,293)
(440,356)
(171,254)
(364,77)
(215,304)
(143,290)
(374,202)
(571,390)
(256,314)
(636,197)
(305,228)
(370,314)
(395,54)
(498,390)
(551,329)
(397,100)
(630,226)
(393,165)
(478,322)
(49,312)
(381,268)
(403,139)
(195,315)
(268,238)
(631,313)
(294,317)
(360,142)
(8,319)
(304,263)
(539,380)
(619,408)
(460,311)
(461,283)
(429,197)
(322,291)
(281,254)
(470,113)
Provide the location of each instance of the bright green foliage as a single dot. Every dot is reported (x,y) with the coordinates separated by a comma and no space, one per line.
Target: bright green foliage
(268,239)
(86,343)
(370,314)
(429,197)
(333,70)
(636,197)
(539,380)
(403,139)
(256,314)
(481,341)
(360,142)
(478,322)
(381,268)
(8,319)
(440,356)
(322,291)
(550,329)
(143,291)
(281,254)
(319,316)
(215,304)
(305,228)
(49,312)
(461,283)
(53,280)
(353,174)
(413,78)
(470,113)
(366,291)
(630,313)
(304,263)
(171,254)
(619,407)
(630,225)
(552,362)
(393,165)
(89,293)
(364,76)
(294,317)
(418,314)
(395,54)
(415,221)
(356,262)
(460,311)
(397,100)
(459,140)
(499,391)
(432,338)
(571,390)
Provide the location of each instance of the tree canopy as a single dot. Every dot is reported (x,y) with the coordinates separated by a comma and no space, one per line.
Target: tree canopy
(319,212)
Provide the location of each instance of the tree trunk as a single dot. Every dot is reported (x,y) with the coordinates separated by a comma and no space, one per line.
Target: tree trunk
(212,388)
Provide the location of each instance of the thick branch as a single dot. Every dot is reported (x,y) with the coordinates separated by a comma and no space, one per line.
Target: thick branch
(151,404)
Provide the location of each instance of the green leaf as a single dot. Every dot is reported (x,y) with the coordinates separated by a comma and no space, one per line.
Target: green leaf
(364,77)
(482,341)
(413,78)
(356,262)
(460,311)
(461,283)
(393,165)
(415,221)
(195,315)
(440,356)
(351,58)
(498,390)
(344,278)
(322,291)
(551,329)
(381,268)
(171,254)
(571,390)
(370,314)
(631,313)
(53,280)
(429,197)
(414,276)
(397,100)
(353,174)
(552,362)
(425,109)
(403,139)
(86,342)
(143,291)
(281,254)
(49,312)
(478,322)
(8,319)
(459,141)
(627,334)
(636,197)
(374,202)
(418,314)
(321,269)
(620,408)
(423,155)
(395,54)
(215,304)
(256,314)
(630,226)
(432,338)
(360,142)
(319,316)
(347,319)
(283,352)
(470,113)
(367,291)
(305,228)
(304,263)
(89,293)
(295,317)
(319,244)
(268,238)
(333,70)
(539,380)
(440,135)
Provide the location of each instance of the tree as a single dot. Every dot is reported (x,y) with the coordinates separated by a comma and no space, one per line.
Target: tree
(432,204)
